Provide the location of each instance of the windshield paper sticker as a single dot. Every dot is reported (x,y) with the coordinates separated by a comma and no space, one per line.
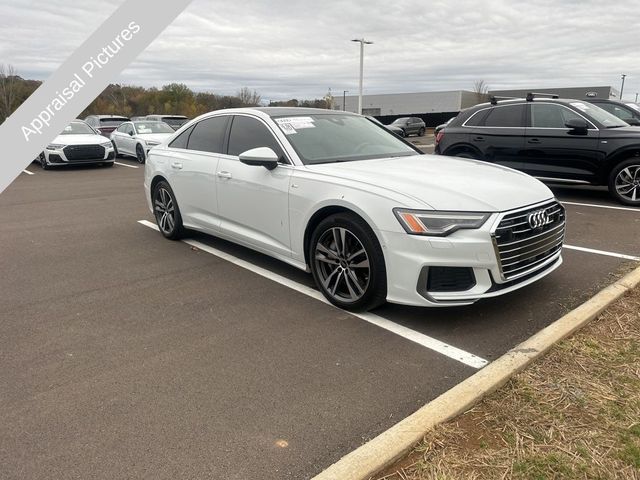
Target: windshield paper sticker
(580,106)
(290,125)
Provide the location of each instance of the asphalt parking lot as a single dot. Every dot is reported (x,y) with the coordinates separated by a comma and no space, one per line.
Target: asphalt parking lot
(129,356)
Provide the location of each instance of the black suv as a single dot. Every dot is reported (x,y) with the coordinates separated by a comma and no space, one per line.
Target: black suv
(556,140)
(406,126)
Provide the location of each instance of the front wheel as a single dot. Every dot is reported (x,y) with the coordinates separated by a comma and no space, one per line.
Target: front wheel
(43,162)
(140,155)
(347,263)
(115,149)
(624,182)
(166,211)
(421,132)
(468,155)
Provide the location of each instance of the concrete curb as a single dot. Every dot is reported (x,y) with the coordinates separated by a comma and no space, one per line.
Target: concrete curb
(383,450)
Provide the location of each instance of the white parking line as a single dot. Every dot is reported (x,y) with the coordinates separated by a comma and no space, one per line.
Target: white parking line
(27,172)
(601,252)
(125,165)
(431,343)
(595,205)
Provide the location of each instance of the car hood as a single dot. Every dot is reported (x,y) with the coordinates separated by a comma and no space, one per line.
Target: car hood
(444,183)
(621,132)
(154,137)
(80,139)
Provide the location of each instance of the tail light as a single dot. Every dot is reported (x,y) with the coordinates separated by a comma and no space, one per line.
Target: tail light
(439,136)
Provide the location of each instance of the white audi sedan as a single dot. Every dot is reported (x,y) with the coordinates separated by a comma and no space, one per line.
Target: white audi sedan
(137,138)
(366,213)
(77,144)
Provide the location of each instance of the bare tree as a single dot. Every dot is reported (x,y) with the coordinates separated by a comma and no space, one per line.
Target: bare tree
(249,98)
(7,89)
(481,89)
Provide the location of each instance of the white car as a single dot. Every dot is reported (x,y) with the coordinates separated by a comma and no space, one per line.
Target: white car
(137,138)
(77,144)
(370,216)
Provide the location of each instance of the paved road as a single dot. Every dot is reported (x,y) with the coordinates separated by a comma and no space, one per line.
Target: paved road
(129,356)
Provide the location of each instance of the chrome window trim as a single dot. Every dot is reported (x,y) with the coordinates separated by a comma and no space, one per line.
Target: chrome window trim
(491,108)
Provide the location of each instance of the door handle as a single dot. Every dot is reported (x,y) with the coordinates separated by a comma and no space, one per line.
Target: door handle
(533,140)
(478,139)
(224,175)
(176,165)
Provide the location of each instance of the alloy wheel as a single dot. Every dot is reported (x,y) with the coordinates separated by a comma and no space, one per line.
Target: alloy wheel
(342,264)
(164,209)
(140,154)
(627,183)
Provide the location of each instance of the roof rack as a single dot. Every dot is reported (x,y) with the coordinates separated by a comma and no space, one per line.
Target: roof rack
(495,99)
(532,95)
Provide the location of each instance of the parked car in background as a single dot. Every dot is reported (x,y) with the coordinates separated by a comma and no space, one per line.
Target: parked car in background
(325,191)
(555,140)
(174,121)
(406,126)
(105,124)
(137,138)
(627,111)
(77,144)
(138,118)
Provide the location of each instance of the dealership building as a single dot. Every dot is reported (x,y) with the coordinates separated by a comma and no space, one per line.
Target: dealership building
(437,107)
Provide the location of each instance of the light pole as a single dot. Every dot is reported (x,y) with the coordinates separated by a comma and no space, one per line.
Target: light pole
(362,42)
(636,98)
(344,98)
(622,87)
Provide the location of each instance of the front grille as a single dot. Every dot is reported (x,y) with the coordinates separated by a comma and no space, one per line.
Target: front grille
(522,246)
(84,152)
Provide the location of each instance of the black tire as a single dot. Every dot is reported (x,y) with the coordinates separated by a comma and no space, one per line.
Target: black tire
(624,182)
(141,156)
(403,133)
(348,267)
(166,211)
(43,162)
(108,164)
(421,132)
(115,149)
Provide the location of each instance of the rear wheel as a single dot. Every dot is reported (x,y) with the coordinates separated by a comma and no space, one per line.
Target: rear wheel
(624,182)
(421,132)
(140,155)
(347,263)
(166,211)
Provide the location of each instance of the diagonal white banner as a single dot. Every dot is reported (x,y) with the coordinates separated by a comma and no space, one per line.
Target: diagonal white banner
(118,41)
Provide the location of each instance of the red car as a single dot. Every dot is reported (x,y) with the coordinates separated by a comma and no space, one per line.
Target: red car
(105,124)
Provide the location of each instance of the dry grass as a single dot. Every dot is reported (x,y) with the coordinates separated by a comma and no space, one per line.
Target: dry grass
(574,414)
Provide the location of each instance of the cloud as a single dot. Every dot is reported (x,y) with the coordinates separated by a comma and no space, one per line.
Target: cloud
(300,49)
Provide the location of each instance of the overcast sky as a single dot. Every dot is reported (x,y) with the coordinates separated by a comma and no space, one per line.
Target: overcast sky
(300,49)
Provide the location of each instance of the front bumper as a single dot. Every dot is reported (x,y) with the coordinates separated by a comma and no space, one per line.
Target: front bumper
(466,254)
(60,157)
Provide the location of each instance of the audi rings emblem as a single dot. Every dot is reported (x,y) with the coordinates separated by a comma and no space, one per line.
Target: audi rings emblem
(539,219)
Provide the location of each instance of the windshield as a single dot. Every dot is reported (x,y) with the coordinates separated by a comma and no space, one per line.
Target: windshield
(112,121)
(152,127)
(327,138)
(599,115)
(78,128)
(174,121)
(635,106)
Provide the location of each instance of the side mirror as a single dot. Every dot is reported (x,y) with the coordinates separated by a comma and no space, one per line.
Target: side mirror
(260,157)
(634,122)
(578,125)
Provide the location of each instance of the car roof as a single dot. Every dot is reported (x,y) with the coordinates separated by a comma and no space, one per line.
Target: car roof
(293,111)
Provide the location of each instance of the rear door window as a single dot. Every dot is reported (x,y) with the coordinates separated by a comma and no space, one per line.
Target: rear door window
(208,135)
(505,116)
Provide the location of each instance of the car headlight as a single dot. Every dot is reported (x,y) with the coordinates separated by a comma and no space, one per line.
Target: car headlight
(106,145)
(439,224)
(55,146)
(152,144)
